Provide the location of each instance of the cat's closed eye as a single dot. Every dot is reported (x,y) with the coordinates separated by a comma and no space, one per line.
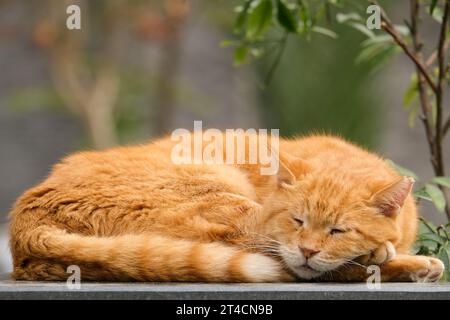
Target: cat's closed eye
(298,221)
(337,231)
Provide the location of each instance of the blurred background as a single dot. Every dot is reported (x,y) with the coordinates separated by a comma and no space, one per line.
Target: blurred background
(139,69)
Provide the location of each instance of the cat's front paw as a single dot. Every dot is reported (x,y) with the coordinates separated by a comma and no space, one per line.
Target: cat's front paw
(384,253)
(427,270)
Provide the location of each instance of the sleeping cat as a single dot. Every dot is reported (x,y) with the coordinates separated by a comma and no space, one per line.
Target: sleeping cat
(131,214)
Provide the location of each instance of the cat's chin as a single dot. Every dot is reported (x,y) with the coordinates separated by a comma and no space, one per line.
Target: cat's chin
(305,272)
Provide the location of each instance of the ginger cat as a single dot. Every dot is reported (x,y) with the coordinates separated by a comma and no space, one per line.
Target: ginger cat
(131,214)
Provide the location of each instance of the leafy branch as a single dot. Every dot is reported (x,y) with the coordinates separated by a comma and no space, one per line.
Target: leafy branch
(284,18)
(257,18)
(434,128)
(431,241)
(434,241)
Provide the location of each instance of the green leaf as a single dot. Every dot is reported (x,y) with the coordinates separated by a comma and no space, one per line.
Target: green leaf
(442,232)
(305,17)
(443,181)
(422,194)
(403,171)
(240,54)
(431,246)
(422,250)
(433,6)
(438,14)
(242,17)
(431,237)
(403,30)
(444,256)
(384,38)
(344,17)
(362,28)
(257,52)
(413,116)
(433,113)
(427,226)
(286,17)
(324,31)
(259,19)
(437,196)
(227,43)
(383,57)
(411,92)
(368,53)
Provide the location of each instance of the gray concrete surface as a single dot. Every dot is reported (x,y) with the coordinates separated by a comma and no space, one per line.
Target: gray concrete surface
(200,291)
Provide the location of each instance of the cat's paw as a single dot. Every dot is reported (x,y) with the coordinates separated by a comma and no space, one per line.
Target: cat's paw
(428,270)
(384,253)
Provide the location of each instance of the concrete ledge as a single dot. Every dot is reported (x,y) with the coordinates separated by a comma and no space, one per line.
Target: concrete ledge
(194,291)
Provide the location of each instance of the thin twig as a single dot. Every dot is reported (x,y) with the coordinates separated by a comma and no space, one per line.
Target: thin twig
(442,71)
(399,40)
(446,127)
(424,103)
(388,26)
(432,58)
(435,130)
(439,100)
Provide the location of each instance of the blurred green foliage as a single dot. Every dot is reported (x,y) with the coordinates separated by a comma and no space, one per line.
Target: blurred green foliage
(435,241)
(316,85)
(431,240)
(311,80)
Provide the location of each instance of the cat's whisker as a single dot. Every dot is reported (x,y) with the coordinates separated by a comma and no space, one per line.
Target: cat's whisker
(352,262)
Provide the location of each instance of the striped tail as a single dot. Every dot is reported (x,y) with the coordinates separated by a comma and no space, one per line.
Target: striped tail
(139,258)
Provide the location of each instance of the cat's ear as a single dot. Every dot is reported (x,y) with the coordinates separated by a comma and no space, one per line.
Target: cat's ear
(290,168)
(390,199)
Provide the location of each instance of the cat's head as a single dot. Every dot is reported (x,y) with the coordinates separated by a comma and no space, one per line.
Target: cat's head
(323,219)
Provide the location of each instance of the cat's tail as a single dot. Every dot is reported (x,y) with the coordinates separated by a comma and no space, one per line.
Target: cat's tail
(141,258)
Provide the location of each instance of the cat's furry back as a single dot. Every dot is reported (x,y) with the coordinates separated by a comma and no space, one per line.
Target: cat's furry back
(130,213)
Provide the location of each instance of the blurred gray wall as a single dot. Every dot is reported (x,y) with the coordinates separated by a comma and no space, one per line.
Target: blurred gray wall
(33,140)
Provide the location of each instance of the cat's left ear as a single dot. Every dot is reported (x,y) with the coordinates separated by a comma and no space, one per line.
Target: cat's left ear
(390,200)
(290,168)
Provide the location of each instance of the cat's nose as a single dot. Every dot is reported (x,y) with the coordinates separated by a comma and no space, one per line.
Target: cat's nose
(308,253)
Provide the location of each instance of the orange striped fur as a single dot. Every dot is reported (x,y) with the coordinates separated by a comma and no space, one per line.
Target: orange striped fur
(130,214)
